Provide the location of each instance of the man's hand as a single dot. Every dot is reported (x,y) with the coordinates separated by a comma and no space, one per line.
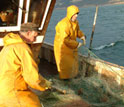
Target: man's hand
(79,45)
(48,84)
(84,40)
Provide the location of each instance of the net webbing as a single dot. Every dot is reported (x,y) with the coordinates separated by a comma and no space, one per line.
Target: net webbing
(93,89)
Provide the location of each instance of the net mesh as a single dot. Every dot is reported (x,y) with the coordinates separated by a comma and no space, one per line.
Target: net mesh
(82,91)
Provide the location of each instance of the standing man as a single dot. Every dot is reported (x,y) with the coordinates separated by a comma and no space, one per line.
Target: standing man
(18,70)
(65,44)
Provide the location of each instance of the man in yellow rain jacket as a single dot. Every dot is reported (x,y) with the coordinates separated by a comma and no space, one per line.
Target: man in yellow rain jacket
(18,70)
(65,44)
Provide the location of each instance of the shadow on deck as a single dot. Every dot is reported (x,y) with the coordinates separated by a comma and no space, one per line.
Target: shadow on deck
(47,68)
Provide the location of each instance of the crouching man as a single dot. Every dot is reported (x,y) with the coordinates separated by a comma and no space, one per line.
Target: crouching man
(18,70)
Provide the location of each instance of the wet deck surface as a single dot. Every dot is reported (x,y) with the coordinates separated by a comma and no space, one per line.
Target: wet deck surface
(46,68)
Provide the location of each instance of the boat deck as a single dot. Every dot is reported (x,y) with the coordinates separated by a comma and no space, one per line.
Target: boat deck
(47,68)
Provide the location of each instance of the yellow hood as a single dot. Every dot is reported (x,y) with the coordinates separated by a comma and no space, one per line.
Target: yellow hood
(71,10)
(12,38)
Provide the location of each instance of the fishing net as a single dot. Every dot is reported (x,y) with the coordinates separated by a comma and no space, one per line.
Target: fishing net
(84,90)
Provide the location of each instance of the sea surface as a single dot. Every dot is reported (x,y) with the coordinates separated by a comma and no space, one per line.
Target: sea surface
(108,38)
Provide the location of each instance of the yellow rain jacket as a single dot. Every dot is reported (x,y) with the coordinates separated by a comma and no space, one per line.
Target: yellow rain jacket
(65,45)
(18,70)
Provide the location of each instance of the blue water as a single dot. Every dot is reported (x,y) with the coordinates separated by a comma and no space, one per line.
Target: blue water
(108,41)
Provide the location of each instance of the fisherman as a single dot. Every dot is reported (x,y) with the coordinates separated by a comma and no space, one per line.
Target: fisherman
(19,71)
(65,44)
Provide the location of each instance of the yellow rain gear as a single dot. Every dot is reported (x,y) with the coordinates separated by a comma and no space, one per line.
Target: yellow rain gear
(18,71)
(65,45)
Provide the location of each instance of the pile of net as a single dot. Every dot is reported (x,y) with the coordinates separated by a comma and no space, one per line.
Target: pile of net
(83,91)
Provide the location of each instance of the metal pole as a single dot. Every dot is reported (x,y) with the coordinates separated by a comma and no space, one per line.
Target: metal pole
(93,29)
(90,47)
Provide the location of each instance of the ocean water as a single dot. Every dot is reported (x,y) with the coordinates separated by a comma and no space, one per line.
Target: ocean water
(108,40)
